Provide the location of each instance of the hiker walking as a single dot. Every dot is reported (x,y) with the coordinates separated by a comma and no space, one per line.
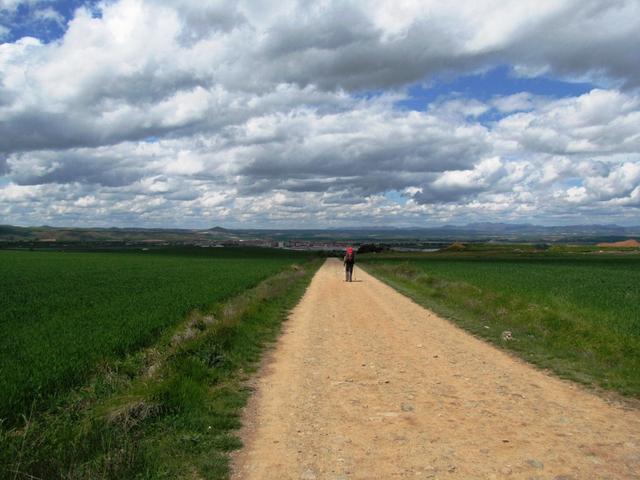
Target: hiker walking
(349,262)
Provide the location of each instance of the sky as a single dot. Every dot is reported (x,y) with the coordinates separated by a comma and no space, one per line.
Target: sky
(296,114)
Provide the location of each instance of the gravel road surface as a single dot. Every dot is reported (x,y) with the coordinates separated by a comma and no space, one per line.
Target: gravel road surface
(365,384)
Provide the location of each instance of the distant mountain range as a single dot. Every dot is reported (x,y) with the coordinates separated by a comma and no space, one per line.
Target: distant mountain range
(484,231)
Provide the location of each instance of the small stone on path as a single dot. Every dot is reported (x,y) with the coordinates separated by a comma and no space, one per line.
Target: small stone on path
(535,463)
(308,475)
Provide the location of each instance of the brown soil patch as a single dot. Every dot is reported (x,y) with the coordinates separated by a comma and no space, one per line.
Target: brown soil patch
(456,246)
(365,384)
(625,243)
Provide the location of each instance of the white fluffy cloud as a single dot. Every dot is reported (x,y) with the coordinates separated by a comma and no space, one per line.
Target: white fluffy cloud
(600,122)
(241,112)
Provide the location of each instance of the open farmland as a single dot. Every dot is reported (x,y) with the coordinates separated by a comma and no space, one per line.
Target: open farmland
(576,314)
(61,314)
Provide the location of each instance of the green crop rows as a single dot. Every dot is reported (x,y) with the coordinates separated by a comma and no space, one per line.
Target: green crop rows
(606,290)
(577,314)
(62,314)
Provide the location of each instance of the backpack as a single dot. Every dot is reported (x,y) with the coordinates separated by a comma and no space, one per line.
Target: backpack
(351,256)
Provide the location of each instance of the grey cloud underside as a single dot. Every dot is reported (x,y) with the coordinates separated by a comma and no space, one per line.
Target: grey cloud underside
(72,168)
(345,51)
(385,160)
(336,185)
(34,131)
(31,131)
(203,18)
(430,195)
(573,43)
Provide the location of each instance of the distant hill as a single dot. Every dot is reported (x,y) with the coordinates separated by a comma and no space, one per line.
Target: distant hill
(498,232)
(10,233)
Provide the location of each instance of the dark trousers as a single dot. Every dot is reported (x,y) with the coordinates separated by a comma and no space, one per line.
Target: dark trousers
(348,268)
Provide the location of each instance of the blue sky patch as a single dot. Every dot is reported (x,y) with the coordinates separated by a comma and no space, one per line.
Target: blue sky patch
(27,22)
(499,81)
(395,197)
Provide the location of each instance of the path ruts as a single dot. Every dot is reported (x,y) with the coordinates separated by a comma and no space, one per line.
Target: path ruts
(365,384)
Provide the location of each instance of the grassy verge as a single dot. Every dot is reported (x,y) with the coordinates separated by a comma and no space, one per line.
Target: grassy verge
(576,318)
(164,412)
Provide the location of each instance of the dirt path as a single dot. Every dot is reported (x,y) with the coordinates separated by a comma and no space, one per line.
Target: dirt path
(365,384)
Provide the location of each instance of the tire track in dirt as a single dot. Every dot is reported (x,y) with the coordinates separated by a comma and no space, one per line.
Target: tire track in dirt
(366,384)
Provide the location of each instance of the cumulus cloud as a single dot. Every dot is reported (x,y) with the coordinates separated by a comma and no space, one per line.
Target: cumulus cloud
(454,184)
(164,111)
(620,183)
(599,122)
(126,63)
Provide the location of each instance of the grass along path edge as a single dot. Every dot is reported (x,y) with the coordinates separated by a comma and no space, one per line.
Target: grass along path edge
(548,337)
(169,411)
